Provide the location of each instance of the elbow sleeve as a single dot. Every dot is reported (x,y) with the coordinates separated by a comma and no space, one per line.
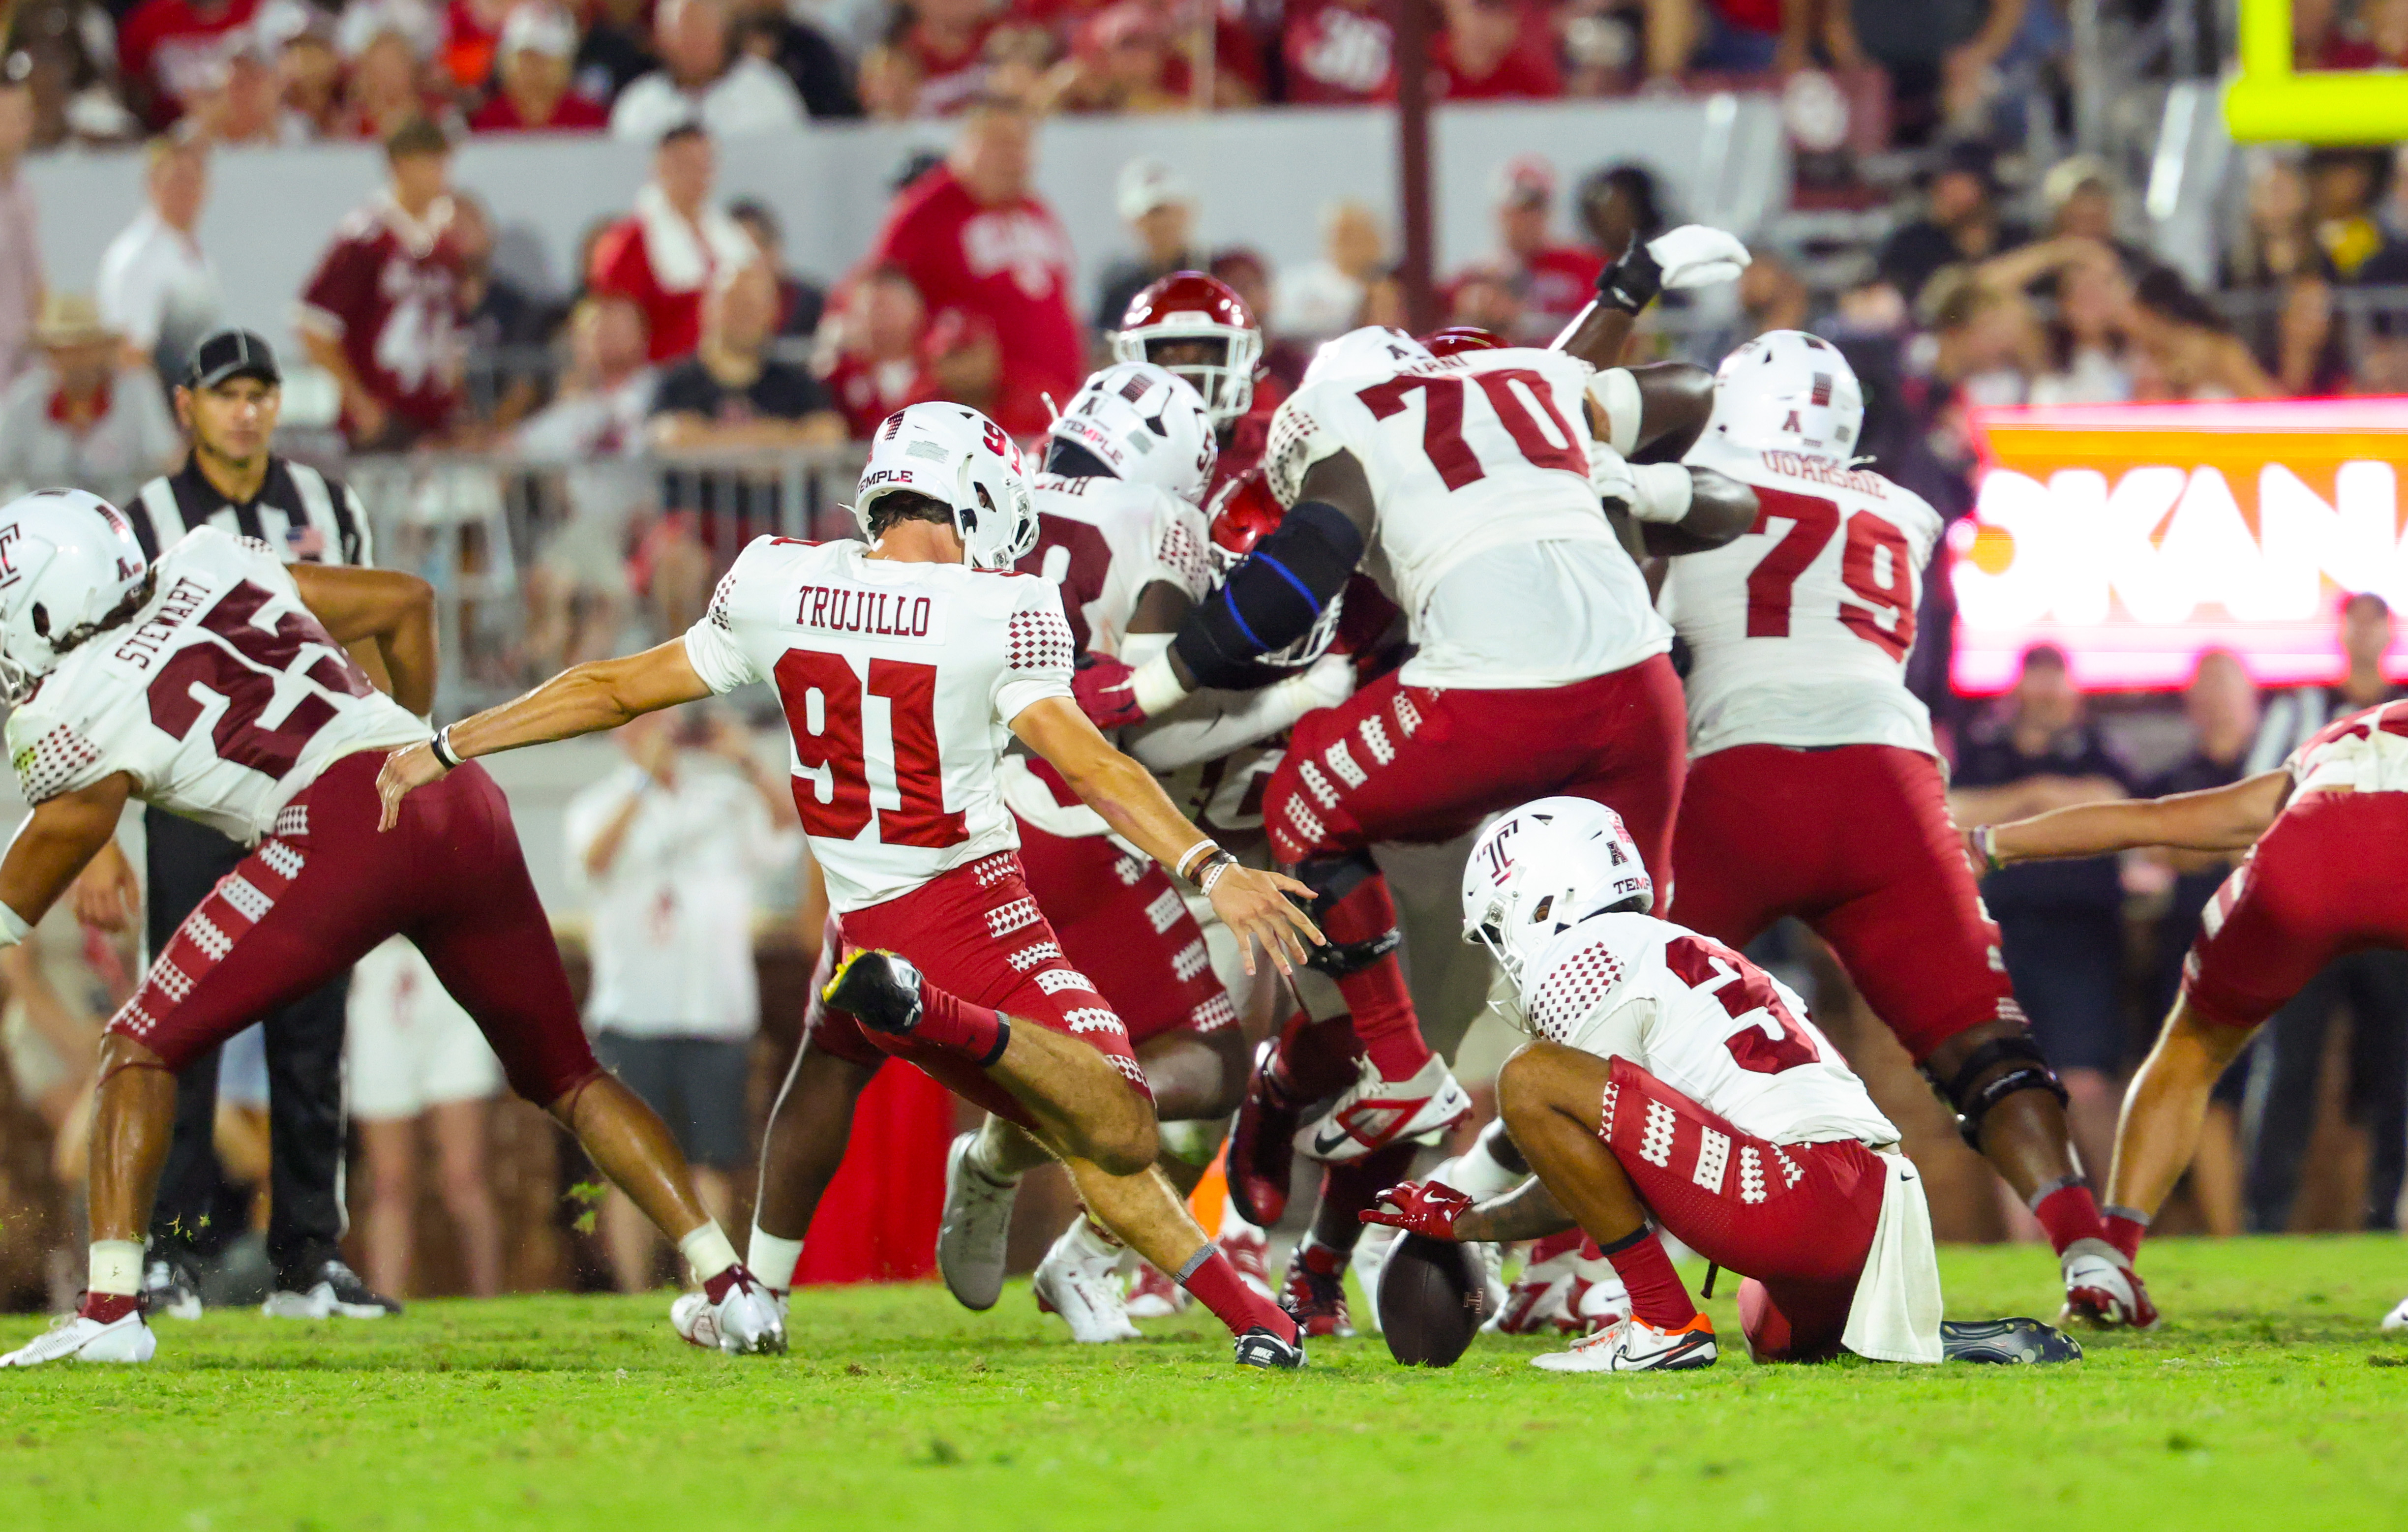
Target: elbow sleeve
(1272,598)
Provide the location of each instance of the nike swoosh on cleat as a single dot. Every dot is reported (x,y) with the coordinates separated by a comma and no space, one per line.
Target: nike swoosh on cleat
(1324,1143)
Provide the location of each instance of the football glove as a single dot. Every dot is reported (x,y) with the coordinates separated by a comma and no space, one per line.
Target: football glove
(1692,255)
(1100,686)
(1419,1207)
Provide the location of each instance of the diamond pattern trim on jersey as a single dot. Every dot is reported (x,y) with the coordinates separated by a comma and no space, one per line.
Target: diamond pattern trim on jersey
(50,765)
(1713,1155)
(1375,733)
(1215,1014)
(991,870)
(1130,871)
(1791,1171)
(1028,957)
(1572,989)
(1655,1139)
(213,943)
(292,823)
(1343,764)
(1037,640)
(282,859)
(1018,915)
(244,897)
(1054,981)
(1164,912)
(1605,1122)
(1751,1175)
(1092,1019)
(1189,961)
(1408,717)
(1131,1071)
(172,980)
(1317,784)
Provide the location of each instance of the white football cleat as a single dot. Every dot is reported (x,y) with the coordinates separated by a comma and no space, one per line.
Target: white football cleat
(2102,1289)
(337,1293)
(1539,1297)
(1152,1294)
(1249,1252)
(1079,1279)
(1376,1113)
(2398,1319)
(976,1220)
(169,1289)
(749,1320)
(73,1337)
(1633,1345)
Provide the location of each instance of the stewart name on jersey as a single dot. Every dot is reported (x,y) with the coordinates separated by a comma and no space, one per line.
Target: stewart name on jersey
(900,682)
(222,697)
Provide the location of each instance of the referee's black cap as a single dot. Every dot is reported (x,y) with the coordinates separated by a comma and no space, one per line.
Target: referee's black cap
(231,354)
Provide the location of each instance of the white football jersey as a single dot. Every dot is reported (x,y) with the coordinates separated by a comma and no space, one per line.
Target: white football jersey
(1103,541)
(222,697)
(1488,535)
(1799,629)
(899,683)
(1705,1021)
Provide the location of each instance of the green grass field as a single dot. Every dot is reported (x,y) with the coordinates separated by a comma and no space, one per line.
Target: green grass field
(2267,1391)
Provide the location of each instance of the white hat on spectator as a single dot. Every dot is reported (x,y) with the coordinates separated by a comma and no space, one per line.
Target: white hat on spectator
(539,29)
(2070,175)
(1146,184)
(363,22)
(1524,179)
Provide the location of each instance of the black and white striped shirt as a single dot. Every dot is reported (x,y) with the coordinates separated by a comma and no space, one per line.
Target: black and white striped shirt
(307,517)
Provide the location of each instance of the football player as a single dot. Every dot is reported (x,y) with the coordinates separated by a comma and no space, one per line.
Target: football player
(904,666)
(1671,1079)
(1814,788)
(215,684)
(2326,873)
(1199,328)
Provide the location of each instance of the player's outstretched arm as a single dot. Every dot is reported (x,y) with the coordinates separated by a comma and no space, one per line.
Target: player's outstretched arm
(390,609)
(1253,905)
(1692,255)
(51,846)
(2220,819)
(1529,1211)
(582,699)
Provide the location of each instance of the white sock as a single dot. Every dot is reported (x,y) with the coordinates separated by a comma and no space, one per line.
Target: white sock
(1233,1222)
(1477,1175)
(773,1260)
(707,1251)
(116,1268)
(1095,1237)
(976,1160)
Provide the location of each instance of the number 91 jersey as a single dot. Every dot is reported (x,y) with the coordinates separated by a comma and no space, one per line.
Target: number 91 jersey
(1705,1021)
(899,683)
(1800,629)
(222,697)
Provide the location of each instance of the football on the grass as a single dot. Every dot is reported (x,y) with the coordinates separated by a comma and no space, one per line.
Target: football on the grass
(1433,1301)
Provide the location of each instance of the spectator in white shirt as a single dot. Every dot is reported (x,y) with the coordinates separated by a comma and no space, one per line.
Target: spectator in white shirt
(20,244)
(732,93)
(673,849)
(156,287)
(1324,297)
(82,418)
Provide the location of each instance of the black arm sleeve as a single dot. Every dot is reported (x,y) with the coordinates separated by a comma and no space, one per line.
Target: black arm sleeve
(1270,600)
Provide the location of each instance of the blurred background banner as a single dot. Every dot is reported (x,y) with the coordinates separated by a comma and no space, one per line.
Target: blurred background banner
(2134,537)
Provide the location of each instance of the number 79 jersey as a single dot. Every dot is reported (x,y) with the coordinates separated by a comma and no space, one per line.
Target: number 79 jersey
(222,697)
(1799,629)
(899,683)
(1705,1021)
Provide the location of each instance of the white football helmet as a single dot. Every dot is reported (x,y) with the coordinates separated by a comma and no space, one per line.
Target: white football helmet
(1374,348)
(1145,424)
(1787,391)
(68,561)
(1542,866)
(960,459)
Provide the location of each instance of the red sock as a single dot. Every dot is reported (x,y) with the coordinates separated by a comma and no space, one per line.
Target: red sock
(717,1288)
(947,1021)
(2067,1214)
(1657,1295)
(1320,1259)
(108,1307)
(1382,1007)
(1552,1246)
(2124,1232)
(1349,1188)
(1315,1058)
(1215,1284)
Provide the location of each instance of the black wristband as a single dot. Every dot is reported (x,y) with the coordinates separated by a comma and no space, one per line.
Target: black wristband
(1632,282)
(441,746)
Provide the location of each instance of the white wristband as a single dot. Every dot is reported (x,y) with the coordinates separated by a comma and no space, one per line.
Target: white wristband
(13,928)
(1664,490)
(1154,687)
(1615,392)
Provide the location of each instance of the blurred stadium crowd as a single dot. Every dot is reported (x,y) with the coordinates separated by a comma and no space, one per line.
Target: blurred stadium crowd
(693,388)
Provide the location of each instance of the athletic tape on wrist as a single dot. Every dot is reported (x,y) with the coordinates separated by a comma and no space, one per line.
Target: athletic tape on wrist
(1664,491)
(13,928)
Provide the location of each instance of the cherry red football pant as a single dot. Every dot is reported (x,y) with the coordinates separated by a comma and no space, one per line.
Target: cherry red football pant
(1409,762)
(975,933)
(2330,877)
(1855,840)
(1798,1219)
(1121,923)
(325,885)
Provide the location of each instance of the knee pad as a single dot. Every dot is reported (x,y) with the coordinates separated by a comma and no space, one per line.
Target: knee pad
(1971,1097)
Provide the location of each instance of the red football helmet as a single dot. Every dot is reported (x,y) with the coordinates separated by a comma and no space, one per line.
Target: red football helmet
(1175,325)
(1242,513)
(1461,337)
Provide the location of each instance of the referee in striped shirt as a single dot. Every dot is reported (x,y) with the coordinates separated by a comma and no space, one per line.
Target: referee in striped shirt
(227,404)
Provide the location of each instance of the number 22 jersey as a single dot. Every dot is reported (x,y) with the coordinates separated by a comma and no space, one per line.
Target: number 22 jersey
(222,697)
(899,683)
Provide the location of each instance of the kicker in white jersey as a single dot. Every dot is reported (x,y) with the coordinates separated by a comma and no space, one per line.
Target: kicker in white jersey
(222,697)
(1489,532)
(1704,1020)
(899,683)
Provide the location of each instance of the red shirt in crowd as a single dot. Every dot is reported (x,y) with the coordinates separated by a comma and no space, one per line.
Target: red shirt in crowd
(949,77)
(1559,280)
(868,392)
(1009,264)
(575,114)
(1339,52)
(388,290)
(178,49)
(663,263)
(1527,72)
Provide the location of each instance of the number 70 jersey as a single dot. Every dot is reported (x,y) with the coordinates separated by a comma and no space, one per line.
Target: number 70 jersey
(1799,630)
(222,697)
(900,682)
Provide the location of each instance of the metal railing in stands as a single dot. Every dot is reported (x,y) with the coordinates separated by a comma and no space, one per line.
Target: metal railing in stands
(479,525)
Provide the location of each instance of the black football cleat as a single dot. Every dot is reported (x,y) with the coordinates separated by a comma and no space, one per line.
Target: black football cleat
(2006,1341)
(880,989)
(1259,1348)
(1262,1144)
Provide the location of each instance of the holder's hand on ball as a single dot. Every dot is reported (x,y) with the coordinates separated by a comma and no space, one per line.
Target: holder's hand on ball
(1419,1207)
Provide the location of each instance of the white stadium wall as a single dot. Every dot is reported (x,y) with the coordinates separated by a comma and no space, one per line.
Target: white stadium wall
(1262,178)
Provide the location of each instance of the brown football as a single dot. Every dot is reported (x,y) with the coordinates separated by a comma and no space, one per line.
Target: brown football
(1433,1301)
